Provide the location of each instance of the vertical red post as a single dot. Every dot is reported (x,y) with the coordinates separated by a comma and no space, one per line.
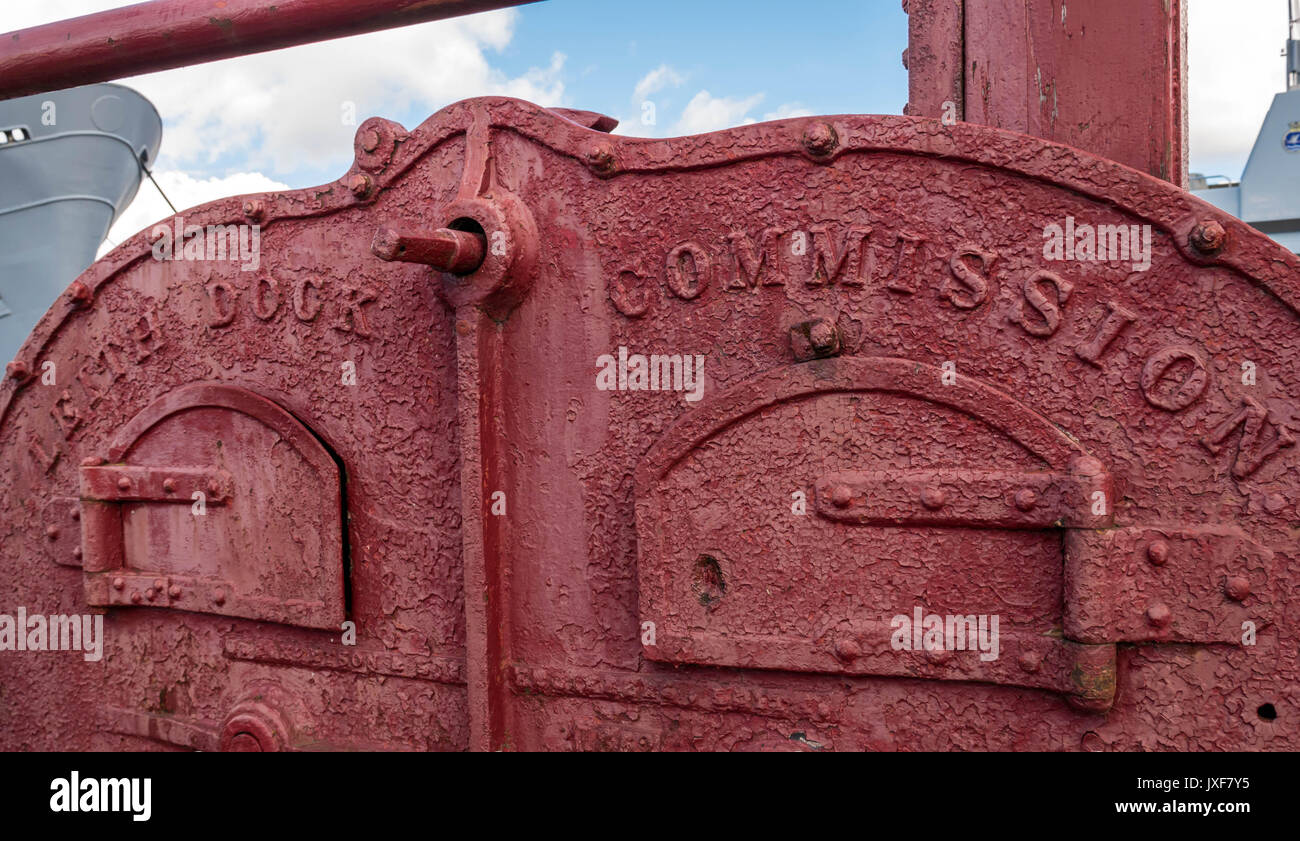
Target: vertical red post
(1106,76)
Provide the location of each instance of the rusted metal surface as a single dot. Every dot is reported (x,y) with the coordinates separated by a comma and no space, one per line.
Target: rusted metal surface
(889,400)
(1108,76)
(162,34)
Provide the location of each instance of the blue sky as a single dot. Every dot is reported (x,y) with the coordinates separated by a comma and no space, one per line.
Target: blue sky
(273,121)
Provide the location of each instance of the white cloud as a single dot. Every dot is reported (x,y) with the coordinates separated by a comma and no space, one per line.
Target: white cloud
(185,192)
(656,80)
(1234,68)
(705,113)
(786,111)
(282,111)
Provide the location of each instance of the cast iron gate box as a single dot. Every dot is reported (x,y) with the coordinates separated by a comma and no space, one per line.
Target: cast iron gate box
(717,432)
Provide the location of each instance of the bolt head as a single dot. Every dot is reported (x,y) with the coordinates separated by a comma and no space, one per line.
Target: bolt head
(601,157)
(820,139)
(1026,499)
(1208,237)
(1159,616)
(841,496)
(360,185)
(1237,587)
(1158,552)
(79,293)
(933,498)
(821,335)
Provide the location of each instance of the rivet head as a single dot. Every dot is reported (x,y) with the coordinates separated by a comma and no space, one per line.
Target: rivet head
(1237,587)
(219,597)
(847,649)
(174,592)
(1158,552)
(76,513)
(52,532)
(820,139)
(938,656)
(1026,499)
(369,140)
(933,498)
(1208,237)
(1030,661)
(169,485)
(149,593)
(76,552)
(159,584)
(841,496)
(18,370)
(1159,616)
(118,583)
(124,483)
(135,596)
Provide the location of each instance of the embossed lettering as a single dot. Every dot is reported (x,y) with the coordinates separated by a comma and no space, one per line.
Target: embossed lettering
(1261,437)
(974,287)
(222,297)
(688,270)
(1187,388)
(829,262)
(352,318)
(303,307)
(903,269)
(1117,318)
(749,263)
(621,296)
(1048,310)
(266,297)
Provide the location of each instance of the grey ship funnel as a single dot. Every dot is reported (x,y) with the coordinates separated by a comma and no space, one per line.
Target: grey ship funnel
(69,164)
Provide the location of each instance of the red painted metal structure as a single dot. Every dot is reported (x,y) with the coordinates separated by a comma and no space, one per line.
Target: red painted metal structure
(1108,76)
(163,34)
(615,443)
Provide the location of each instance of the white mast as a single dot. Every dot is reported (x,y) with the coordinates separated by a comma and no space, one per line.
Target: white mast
(1293,46)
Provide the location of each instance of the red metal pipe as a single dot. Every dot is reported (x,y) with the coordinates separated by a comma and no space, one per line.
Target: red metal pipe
(163,34)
